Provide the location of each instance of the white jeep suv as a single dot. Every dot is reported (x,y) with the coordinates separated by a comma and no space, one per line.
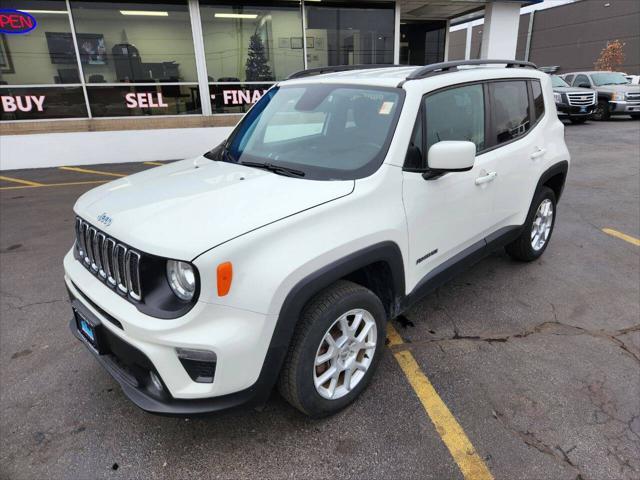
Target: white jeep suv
(341,198)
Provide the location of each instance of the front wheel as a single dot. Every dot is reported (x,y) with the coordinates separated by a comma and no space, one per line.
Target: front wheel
(538,228)
(335,349)
(602,111)
(635,116)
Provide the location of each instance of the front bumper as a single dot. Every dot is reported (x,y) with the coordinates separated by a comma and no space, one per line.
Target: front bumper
(575,111)
(624,107)
(240,340)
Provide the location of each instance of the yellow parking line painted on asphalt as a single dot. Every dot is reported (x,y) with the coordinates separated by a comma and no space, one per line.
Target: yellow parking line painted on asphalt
(43,185)
(622,236)
(97,172)
(157,164)
(393,336)
(23,182)
(452,434)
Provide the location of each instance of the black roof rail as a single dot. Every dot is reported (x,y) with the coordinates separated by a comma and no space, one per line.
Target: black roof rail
(445,67)
(338,68)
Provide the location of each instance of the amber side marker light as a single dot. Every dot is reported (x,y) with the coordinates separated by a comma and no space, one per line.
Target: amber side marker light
(225,275)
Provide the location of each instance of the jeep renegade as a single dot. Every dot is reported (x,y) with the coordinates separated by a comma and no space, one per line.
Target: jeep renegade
(339,200)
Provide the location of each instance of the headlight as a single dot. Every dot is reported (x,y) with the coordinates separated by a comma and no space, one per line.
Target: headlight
(618,97)
(557,97)
(182,279)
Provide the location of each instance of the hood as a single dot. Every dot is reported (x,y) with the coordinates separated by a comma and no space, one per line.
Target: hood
(184,208)
(626,88)
(572,89)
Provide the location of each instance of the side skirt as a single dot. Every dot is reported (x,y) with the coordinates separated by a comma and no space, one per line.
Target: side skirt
(458,264)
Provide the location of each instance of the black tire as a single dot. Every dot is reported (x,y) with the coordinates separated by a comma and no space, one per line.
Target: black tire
(602,111)
(635,116)
(521,249)
(578,120)
(296,382)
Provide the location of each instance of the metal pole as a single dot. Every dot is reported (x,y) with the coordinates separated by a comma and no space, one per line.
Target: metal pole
(527,50)
(396,35)
(303,12)
(77,50)
(446,41)
(201,61)
(467,45)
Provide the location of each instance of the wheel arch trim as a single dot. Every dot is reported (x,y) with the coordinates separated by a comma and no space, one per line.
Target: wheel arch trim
(388,252)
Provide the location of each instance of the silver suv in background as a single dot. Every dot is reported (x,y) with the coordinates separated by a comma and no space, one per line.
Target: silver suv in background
(616,96)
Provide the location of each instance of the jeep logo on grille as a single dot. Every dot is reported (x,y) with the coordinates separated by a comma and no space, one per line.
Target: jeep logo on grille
(105,219)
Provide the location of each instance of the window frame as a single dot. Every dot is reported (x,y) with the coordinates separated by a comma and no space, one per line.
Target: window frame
(421,111)
(489,120)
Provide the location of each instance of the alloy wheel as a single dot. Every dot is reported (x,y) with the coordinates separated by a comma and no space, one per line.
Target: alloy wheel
(542,223)
(345,354)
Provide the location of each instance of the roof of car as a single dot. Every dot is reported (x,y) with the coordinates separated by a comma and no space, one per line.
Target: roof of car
(392,76)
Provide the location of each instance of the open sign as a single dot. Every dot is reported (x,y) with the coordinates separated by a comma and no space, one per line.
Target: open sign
(15,22)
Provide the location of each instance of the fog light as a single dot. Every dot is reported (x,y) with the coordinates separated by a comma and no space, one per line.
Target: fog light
(155,380)
(200,365)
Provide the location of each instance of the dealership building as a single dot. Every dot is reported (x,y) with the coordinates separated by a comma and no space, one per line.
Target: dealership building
(86,82)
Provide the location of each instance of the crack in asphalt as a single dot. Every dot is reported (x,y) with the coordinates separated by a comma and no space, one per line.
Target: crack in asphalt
(539,329)
(531,440)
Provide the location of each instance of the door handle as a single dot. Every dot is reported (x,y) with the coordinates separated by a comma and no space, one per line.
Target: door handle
(538,153)
(489,177)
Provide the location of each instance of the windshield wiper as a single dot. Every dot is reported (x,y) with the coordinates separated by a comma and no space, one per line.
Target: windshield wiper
(280,170)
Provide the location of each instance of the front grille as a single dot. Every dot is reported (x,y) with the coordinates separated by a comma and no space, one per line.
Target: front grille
(109,260)
(581,99)
(633,97)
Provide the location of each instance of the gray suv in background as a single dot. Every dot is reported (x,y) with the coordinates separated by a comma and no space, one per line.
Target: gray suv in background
(616,96)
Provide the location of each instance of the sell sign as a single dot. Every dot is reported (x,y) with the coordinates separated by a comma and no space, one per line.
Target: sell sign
(15,22)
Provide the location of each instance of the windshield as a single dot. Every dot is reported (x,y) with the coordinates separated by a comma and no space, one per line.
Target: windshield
(558,82)
(609,78)
(325,131)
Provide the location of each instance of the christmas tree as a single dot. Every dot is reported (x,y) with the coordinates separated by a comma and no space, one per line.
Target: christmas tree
(257,68)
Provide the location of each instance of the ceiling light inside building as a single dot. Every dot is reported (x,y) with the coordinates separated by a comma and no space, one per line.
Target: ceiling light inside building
(44,12)
(144,13)
(236,15)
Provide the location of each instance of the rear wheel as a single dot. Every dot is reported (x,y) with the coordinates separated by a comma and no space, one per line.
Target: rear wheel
(578,120)
(602,111)
(335,350)
(538,228)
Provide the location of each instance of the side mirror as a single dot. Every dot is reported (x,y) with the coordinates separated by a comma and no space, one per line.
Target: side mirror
(451,156)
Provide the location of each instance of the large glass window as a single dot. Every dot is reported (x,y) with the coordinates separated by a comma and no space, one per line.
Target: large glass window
(349,35)
(511,117)
(135,42)
(29,103)
(252,43)
(43,56)
(322,131)
(133,100)
(456,114)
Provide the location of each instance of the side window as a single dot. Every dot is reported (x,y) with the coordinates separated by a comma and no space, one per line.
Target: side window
(456,114)
(568,78)
(510,110)
(538,99)
(581,80)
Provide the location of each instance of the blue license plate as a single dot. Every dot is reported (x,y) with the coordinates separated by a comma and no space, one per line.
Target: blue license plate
(583,109)
(86,329)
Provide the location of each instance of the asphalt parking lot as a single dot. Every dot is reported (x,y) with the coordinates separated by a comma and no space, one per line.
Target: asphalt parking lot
(538,363)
